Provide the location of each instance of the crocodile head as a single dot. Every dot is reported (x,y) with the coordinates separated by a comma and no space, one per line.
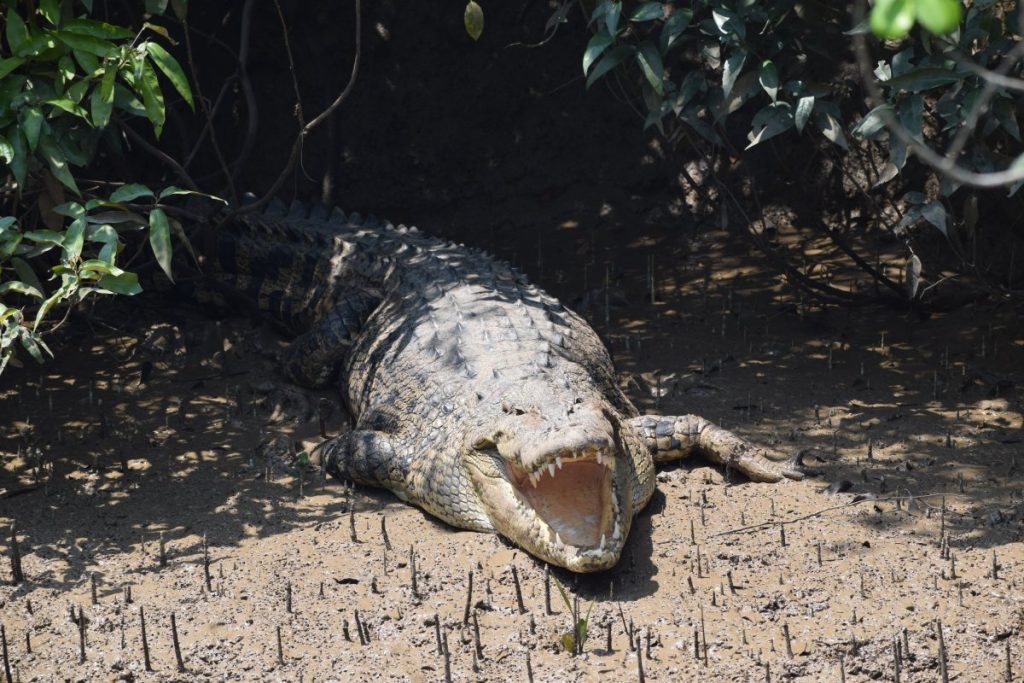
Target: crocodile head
(559,486)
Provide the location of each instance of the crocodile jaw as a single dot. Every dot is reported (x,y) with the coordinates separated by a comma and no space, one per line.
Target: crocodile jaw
(570,507)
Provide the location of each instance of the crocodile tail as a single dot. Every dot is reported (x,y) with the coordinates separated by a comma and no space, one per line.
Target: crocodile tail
(279,261)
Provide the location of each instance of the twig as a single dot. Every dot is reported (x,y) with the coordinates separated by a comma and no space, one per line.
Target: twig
(308,128)
(250,98)
(207,115)
(159,154)
(818,513)
(945,165)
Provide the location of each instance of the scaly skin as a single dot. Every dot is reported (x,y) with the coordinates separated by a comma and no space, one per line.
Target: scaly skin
(475,395)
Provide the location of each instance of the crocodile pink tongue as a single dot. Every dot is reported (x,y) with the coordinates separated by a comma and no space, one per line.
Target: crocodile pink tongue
(574,502)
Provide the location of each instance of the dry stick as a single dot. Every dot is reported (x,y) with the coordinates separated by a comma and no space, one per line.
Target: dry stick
(469,599)
(177,645)
(28,641)
(447,660)
(288,598)
(81,635)
(1009,668)
(384,533)
(7,661)
(359,628)
(145,642)
(17,575)
(789,642)
(293,158)
(818,513)
(352,515)
(412,569)
(437,633)
(943,664)
(206,565)
(547,589)
(703,636)
(163,551)
(529,668)
(519,591)
(280,649)
(639,661)
(92,587)
(476,638)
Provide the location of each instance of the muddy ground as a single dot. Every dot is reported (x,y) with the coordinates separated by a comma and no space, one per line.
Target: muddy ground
(146,432)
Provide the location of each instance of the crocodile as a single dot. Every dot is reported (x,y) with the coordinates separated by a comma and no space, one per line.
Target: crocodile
(474,394)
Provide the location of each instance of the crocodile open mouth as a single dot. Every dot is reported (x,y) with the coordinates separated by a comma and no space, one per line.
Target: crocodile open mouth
(572,493)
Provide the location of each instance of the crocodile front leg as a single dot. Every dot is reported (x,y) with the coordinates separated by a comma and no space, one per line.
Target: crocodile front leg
(673,437)
(364,457)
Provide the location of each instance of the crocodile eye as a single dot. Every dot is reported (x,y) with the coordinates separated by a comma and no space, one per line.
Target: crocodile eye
(483,444)
(519,411)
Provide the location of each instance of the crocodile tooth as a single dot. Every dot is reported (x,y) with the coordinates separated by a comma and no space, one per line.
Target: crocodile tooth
(558,540)
(533,479)
(558,461)
(603,542)
(617,531)
(551,469)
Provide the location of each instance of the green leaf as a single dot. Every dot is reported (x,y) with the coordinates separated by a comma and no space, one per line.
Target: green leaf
(831,129)
(595,47)
(45,236)
(77,90)
(74,238)
(89,62)
(939,16)
(609,61)
(647,12)
(649,60)
(87,43)
(127,193)
(50,9)
(68,106)
(923,79)
(10,64)
(173,191)
(125,283)
(769,79)
(20,288)
(473,18)
(6,222)
(674,27)
(31,123)
(180,9)
(32,346)
(804,107)
(17,31)
(771,121)
(102,99)
(611,17)
(26,274)
(35,45)
(6,150)
(169,65)
(160,240)
(98,29)
(731,70)
(19,165)
(892,19)
(58,163)
(152,98)
(872,124)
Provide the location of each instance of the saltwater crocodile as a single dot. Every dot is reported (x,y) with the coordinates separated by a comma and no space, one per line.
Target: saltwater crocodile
(475,395)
